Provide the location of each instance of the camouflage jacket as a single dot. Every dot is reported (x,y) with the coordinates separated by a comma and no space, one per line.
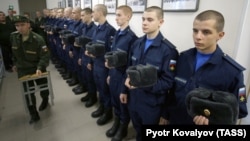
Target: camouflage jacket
(29,55)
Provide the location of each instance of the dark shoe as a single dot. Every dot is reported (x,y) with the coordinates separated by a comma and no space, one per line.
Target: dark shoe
(98,112)
(106,117)
(58,66)
(61,70)
(121,132)
(66,76)
(63,73)
(111,132)
(91,102)
(85,98)
(73,82)
(69,80)
(77,87)
(44,104)
(80,90)
(34,118)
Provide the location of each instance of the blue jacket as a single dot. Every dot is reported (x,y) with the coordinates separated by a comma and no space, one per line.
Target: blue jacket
(122,42)
(220,72)
(160,54)
(87,31)
(103,34)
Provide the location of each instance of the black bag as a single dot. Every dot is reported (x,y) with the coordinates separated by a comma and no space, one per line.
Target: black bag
(218,106)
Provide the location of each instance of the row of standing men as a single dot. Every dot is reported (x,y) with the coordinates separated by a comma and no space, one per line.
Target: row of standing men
(140,105)
(77,66)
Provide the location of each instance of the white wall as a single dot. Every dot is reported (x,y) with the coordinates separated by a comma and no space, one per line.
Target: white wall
(52,3)
(4,6)
(178,25)
(242,46)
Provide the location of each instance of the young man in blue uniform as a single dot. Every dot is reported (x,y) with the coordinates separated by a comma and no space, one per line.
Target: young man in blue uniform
(68,26)
(87,71)
(145,104)
(64,24)
(103,34)
(71,51)
(57,43)
(206,66)
(51,21)
(122,41)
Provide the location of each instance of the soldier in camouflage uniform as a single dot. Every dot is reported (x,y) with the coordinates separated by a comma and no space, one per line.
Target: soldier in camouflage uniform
(30,56)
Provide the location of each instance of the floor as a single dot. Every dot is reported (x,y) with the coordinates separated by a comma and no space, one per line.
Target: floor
(67,120)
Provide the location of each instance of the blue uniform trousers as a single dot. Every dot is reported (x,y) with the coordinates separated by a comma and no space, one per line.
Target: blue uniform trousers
(75,65)
(59,50)
(141,113)
(88,75)
(82,77)
(115,85)
(100,77)
(68,59)
(90,81)
(52,46)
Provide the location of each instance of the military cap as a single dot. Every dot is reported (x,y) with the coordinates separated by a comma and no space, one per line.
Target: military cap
(142,75)
(219,107)
(63,32)
(96,49)
(48,28)
(82,40)
(19,18)
(116,58)
(56,29)
(68,38)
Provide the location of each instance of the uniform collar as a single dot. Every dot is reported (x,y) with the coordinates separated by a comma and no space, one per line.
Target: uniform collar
(90,25)
(125,31)
(157,41)
(102,27)
(216,58)
(30,39)
(78,21)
